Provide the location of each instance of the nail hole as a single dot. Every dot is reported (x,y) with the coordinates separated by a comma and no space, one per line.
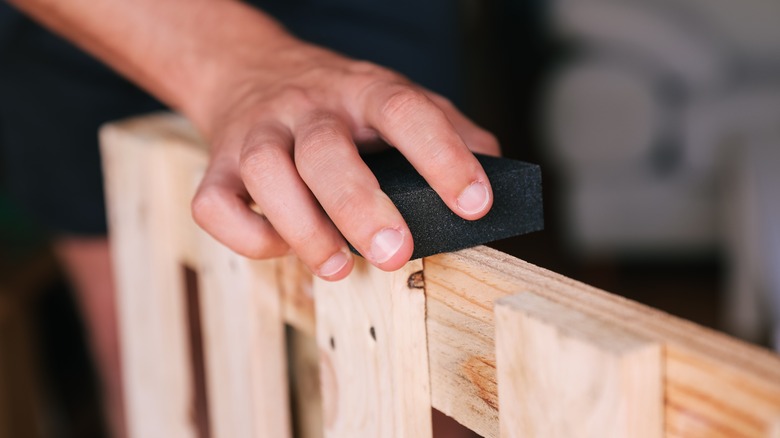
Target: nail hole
(372,332)
(332,343)
(416,280)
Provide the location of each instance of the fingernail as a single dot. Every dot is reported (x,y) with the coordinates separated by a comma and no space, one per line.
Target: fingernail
(385,244)
(474,198)
(334,264)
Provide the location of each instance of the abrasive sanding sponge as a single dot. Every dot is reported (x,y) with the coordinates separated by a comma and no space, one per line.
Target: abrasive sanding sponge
(517,203)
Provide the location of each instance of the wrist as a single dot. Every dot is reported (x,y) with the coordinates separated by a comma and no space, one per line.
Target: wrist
(254,51)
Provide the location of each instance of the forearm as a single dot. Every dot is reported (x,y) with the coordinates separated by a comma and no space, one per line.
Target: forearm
(178,50)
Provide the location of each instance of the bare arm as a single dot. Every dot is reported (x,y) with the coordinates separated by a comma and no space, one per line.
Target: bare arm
(175,49)
(283,117)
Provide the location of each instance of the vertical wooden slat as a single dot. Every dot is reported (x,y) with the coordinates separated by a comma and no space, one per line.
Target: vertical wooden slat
(373,353)
(562,373)
(152,314)
(246,362)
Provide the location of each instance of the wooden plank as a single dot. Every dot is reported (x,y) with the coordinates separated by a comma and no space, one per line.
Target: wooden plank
(373,353)
(152,316)
(563,373)
(307,398)
(244,343)
(715,385)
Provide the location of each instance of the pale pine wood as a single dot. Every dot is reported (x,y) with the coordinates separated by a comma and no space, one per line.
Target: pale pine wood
(307,398)
(374,385)
(140,181)
(461,345)
(244,344)
(295,280)
(563,373)
(714,385)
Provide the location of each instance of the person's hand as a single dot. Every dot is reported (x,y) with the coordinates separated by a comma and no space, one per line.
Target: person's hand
(283,118)
(284,126)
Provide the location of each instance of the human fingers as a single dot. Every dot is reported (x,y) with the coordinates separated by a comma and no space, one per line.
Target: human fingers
(329,163)
(409,120)
(221,208)
(270,176)
(476,138)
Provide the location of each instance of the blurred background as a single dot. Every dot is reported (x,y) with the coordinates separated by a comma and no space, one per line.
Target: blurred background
(657,126)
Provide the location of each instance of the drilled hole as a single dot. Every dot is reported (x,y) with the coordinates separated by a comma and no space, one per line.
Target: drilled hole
(372,332)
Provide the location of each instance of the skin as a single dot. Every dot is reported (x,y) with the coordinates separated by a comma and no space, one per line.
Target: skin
(286,120)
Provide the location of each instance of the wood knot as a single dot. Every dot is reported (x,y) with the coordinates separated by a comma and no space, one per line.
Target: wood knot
(416,281)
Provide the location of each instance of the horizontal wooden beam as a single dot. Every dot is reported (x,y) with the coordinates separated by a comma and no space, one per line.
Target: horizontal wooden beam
(714,385)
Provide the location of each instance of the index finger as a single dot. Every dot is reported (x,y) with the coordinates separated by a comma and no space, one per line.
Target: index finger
(409,120)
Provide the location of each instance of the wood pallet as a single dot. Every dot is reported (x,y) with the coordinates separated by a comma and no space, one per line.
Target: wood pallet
(504,347)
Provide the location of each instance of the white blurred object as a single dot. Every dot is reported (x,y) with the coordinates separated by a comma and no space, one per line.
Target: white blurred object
(708,127)
(751,211)
(748,26)
(647,32)
(667,128)
(611,114)
(650,215)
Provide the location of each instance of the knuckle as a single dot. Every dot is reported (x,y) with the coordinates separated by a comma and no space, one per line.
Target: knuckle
(314,148)
(440,156)
(259,164)
(205,204)
(442,101)
(373,74)
(322,133)
(257,249)
(303,235)
(402,103)
(367,67)
(345,205)
(487,141)
(294,99)
(356,207)
(248,250)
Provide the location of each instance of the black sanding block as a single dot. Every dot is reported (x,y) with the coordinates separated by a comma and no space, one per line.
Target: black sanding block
(517,203)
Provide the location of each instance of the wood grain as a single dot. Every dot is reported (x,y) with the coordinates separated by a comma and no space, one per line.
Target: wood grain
(244,344)
(562,373)
(714,385)
(295,280)
(373,354)
(140,184)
